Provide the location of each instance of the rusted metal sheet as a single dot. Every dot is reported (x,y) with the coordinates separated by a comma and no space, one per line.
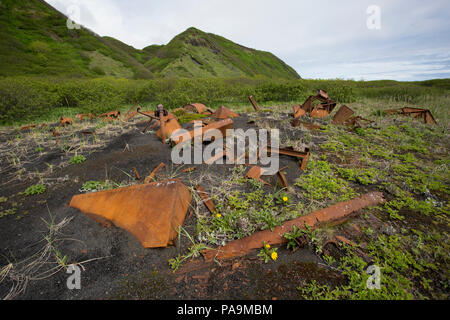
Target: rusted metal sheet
(255,173)
(293,153)
(221,125)
(206,199)
(152,212)
(321,110)
(111,115)
(418,113)
(298,111)
(28,127)
(136,174)
(224,113)
(196,107)
(152,175)
(282,178)
(336,213)
(343,114)
(65,121)
(254,104)
(307,125)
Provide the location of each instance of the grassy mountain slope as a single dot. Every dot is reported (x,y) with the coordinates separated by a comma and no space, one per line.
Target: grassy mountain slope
(35,40)
(196,53)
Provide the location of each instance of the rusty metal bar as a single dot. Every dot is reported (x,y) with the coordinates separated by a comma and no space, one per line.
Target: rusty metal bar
(206,199)
(253,102)
(336,213)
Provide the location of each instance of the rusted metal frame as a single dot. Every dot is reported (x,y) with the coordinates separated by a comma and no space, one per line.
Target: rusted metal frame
(342,115)
(221,125)
(150,177)
(282,178)
(336,213)
(293,153)
(253,102)
(255,173)
(206,199)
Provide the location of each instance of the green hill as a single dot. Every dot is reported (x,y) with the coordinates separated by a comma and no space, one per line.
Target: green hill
(34,40)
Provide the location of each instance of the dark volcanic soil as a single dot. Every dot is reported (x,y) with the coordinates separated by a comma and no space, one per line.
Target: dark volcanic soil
(128,270)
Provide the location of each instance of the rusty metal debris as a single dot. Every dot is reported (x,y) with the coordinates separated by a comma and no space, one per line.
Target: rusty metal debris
(253,102)
(136,174)
(110,116)
(336,213)
(152,175)
(81,116)
(152,212)
(290,151)
(307,125)
(298,111)
(65,121)
(221,125)
(415,113)
(224,113)
(282,177)
(28,127)
(321,110)
(255,173)
(343,114)
(188,170)
(206,199)
(200,108)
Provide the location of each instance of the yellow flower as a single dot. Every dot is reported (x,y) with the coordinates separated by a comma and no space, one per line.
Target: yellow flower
(267,246)
(285,199)
(218,215)
(274,256)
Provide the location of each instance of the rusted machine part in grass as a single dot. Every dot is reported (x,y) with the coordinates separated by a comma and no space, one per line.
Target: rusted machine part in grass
(282,178)
(221,125)
(136,174)
(150,177)
(255,173)
(319,113)
(65,121)
(254,104)
(206,199)
(309,126)
(298,111)
(152,212)
(161,113)
(28,127)
(111,115)
(224,113)
(188,170)
(200,108)
(291,152)
(417,113)
(344,113)
(335,213)
(170,126)
(356,121)
(81,116)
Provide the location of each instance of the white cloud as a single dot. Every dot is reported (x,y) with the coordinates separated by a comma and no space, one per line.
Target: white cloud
(317,38)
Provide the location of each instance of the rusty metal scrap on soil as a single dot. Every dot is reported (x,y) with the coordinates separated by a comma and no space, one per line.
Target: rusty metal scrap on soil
(415,113)
(335,213)
(152,212)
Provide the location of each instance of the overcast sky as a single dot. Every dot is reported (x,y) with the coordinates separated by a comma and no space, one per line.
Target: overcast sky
(319,39)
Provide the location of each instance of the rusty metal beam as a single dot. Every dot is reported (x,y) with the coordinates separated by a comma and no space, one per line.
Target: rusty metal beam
(206,199)
(336,213)
(253,102)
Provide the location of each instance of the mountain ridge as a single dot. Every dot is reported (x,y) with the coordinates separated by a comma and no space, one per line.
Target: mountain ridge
(34,40)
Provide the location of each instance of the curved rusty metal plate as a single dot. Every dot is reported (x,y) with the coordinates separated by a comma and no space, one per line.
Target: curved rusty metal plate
(152,212)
